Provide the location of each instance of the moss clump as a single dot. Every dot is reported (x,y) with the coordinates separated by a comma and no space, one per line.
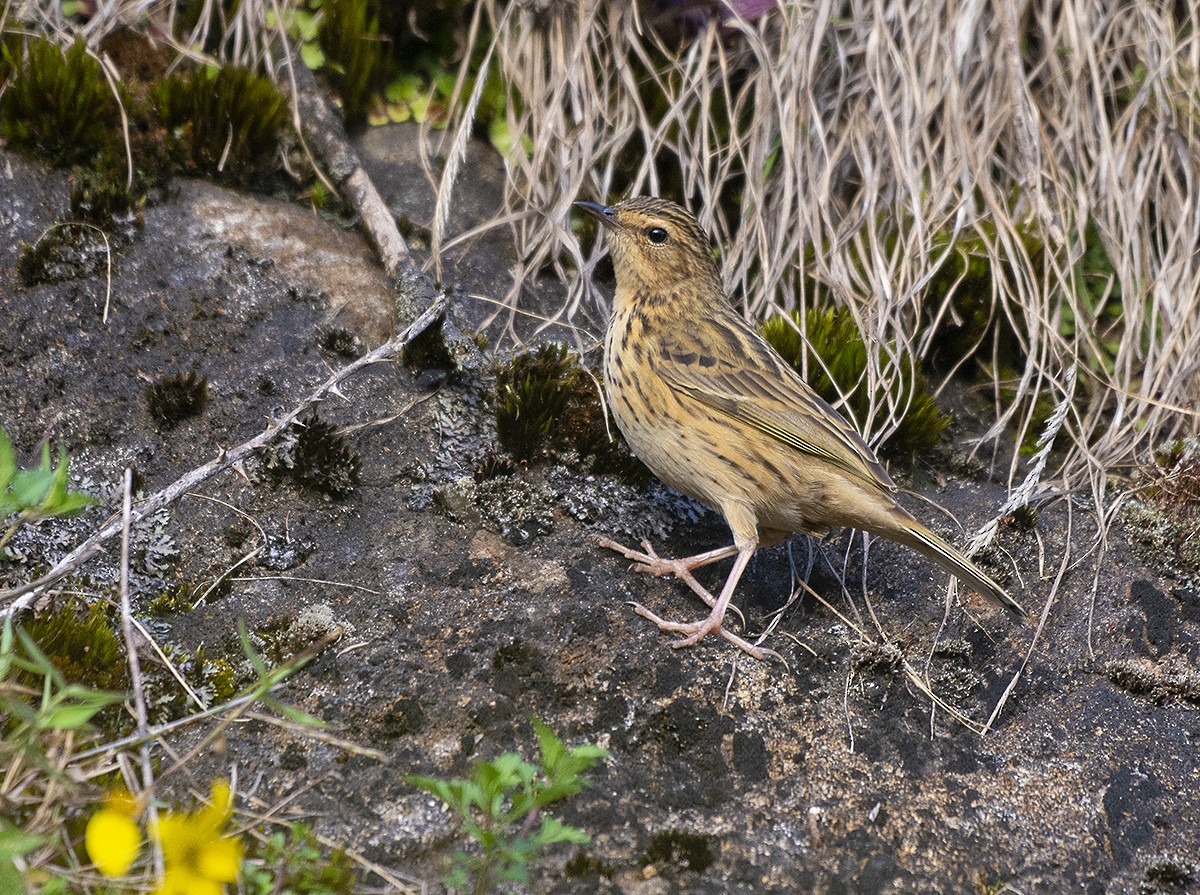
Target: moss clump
(1023,518)
(349,36)
(315,456)
(1098,316)
(532,393)
(81,641)
(175,398)
(1162,519)
(681,850)
(226,125)
(975,326)
(548,406)
(100,198)
(54,102)
(836,358)
(65,251)
(340,341)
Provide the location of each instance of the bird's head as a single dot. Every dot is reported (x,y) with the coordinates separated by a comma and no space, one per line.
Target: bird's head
(656,245)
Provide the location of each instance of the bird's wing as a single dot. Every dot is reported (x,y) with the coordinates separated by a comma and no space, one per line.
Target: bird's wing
(756,387)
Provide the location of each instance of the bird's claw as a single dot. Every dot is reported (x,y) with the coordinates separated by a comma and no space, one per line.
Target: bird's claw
(649,562)
(694,632)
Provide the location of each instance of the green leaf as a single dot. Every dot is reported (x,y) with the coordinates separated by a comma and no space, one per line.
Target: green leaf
(15,842)
(552,747)
(307,25)
(312,55)
(30,487)
(256,661)
(554,830)
(57,496)
(74,502)
(67,717)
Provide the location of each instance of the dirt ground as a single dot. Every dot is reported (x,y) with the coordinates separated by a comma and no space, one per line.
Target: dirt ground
(465,608)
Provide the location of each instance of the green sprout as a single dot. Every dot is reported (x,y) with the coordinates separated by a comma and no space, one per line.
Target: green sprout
(37,493)
(501,807)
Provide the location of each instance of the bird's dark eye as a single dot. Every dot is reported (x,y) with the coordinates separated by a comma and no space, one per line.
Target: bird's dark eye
(657,235)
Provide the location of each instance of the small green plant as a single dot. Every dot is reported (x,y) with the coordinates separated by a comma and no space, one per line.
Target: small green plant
(80,639)
(836,359)
(501,807)
(57,103)
(226,124)
(65,251)
(101,199)
(1175,479)
(37,493)
(59,706)
(1100,320)
(316,456)
(292,862)
(967,278)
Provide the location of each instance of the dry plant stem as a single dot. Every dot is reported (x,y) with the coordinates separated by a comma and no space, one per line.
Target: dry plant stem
(327,136)
(131,653)
(20,597)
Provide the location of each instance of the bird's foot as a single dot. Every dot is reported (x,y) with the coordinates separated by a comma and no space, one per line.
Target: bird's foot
(694,632)
(650,562)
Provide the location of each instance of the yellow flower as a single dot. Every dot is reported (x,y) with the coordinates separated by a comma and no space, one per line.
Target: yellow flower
(112,837)
(198,859)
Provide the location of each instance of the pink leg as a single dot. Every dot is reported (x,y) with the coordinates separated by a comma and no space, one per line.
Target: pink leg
(652,563)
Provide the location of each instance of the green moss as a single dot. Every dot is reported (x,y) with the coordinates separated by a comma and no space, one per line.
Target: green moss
(975,326)
(532,392)
(80,639)
(221,676)
(66,251)
(1100,315)
(1023,518)
(315,456)
(226,124)
(1175,479)
(836,358)
(548,406)
(1043,409)
(340,341)
(349,36)
(100,198)
(54,102)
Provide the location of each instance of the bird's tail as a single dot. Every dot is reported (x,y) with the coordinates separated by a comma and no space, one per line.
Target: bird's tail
(914,534)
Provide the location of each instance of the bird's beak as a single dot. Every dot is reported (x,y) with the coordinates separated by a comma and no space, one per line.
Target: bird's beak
(603,213)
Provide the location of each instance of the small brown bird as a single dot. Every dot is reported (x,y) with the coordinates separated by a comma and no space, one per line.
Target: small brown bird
(717,414)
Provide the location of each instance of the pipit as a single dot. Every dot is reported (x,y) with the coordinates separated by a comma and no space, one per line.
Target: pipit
(717,414)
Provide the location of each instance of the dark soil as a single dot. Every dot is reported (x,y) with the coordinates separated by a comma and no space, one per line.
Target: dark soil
(465,608)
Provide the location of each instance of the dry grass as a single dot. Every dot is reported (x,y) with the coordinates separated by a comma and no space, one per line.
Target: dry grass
(873,132)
